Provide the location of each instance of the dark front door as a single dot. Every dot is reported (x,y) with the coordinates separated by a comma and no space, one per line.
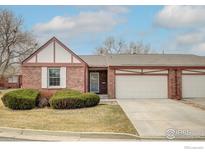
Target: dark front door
(103,82)
(98,82)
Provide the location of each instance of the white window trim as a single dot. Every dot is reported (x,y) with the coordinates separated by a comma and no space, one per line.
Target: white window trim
(54,87)
(98,82)
(48,78)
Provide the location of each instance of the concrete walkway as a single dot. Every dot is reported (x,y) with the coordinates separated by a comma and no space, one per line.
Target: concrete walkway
(153,117)
(15,134)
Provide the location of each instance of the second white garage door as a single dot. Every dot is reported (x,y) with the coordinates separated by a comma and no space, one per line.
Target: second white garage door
(193,86)
(128,86)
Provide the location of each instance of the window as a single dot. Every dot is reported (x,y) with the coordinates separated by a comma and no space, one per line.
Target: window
(94,82)
(13,79)
(54,76)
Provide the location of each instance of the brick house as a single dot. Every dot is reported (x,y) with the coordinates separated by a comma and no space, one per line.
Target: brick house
(12,81)
(54,66)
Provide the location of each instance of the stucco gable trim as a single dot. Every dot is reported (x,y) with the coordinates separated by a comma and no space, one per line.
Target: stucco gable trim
(53,39)
(37,51)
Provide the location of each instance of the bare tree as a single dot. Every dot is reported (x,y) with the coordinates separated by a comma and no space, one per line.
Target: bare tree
(15,44)
(138,48)
(112,45)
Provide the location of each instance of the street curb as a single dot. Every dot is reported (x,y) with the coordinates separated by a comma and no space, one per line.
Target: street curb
(24,133)
(164,138)
(47,135)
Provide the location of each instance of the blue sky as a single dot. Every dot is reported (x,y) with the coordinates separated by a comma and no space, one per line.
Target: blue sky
(174,29)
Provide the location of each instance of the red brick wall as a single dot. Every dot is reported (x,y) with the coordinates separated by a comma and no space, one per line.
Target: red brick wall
(111,83)
(2,82)
(76,78)
(31,77)
(174,84)
(87,79)
(171,84)
(179,84)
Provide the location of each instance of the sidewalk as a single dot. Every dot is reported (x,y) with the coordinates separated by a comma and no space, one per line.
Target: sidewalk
(43,135)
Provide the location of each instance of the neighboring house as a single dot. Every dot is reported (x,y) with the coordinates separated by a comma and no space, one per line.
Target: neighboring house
(11,81)
(11,78)
(54,66)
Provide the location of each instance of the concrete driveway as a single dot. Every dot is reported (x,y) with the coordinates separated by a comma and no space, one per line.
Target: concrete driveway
(152,117)
(198,102)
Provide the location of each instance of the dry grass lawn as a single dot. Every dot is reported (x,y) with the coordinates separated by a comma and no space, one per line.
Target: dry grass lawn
(102,118)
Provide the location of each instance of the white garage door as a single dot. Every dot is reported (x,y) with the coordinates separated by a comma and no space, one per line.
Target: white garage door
(141,86)
(193,86)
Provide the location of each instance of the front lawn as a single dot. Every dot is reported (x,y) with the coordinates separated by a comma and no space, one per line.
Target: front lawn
(101,118)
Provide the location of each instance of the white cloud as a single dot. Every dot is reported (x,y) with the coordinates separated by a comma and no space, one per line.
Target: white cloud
(190,38)
(58,23)
(185,25)
(181,16)
(116,9)
(85,23)
(200,48)
(192,42)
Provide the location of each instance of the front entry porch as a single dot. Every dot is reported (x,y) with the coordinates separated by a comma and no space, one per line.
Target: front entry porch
(97,81)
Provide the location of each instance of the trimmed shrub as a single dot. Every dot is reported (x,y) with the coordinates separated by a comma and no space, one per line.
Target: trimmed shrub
(71,99)
(22,99)
(67,92)
(91,99)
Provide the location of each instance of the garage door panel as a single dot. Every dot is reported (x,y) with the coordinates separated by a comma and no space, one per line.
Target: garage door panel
(141,86)
(193,86)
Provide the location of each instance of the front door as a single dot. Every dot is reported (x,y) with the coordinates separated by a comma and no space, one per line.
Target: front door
(103,82)
(94,82)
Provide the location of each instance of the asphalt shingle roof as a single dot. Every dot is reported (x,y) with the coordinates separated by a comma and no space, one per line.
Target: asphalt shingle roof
(144,60)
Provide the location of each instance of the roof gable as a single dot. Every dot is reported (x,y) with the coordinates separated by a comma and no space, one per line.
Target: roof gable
(53,51)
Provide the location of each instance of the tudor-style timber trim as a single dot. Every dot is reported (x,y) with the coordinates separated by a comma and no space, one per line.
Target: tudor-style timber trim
(141,72)
(37,51)
(36,58)
(117,74)
(70,51)
(193,72)
(157,67)
(53,64)
(53,39)
(54,51)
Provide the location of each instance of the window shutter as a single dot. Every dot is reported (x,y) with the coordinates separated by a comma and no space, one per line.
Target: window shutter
(63,77)
(44,77)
